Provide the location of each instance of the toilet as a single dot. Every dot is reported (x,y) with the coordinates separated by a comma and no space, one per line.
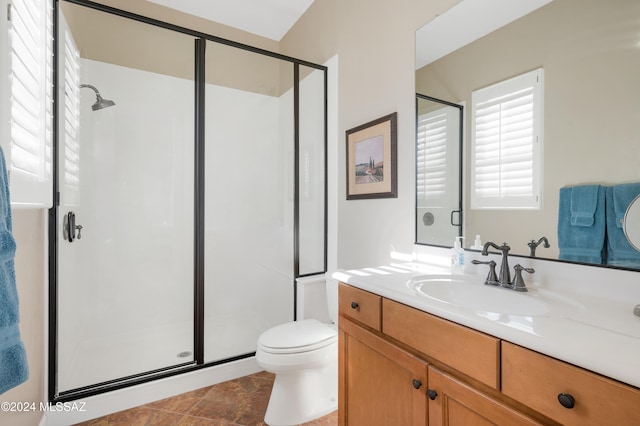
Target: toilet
(303,355)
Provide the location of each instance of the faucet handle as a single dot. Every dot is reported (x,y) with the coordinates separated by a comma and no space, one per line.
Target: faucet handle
(518,281)
(492,278)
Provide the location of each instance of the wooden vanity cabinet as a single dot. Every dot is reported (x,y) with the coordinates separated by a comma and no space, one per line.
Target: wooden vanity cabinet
(380,384)
(402,366)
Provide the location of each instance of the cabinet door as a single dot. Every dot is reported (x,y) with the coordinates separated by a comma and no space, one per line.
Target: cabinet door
(379,383)
(452,402)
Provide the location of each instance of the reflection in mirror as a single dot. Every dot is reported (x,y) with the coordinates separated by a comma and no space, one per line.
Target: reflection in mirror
(619,198)
(438,171)
(632,224)
(589,53)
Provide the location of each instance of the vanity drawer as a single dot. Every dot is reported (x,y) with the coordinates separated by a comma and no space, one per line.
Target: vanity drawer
(537,380)
(471,352)
(359,305)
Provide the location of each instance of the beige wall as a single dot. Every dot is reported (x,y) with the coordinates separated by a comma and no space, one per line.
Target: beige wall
(116,40)
(375,43)
(161,13)
(589,52)
(29,233)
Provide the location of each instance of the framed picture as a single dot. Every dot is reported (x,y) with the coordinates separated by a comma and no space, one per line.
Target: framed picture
(371,159)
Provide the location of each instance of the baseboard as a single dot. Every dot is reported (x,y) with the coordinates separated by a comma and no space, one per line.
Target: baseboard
(122,399)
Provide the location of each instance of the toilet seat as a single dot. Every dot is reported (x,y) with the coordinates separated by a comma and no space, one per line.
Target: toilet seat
(297,337)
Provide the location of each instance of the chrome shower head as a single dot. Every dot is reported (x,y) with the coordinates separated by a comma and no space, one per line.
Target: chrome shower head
(100,102)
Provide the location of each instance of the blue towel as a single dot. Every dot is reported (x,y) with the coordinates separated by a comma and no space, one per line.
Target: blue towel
(620,252)
(581,224)
(13,358)
(584,202)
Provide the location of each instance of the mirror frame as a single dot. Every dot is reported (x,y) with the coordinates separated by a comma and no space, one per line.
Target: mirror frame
(460,210)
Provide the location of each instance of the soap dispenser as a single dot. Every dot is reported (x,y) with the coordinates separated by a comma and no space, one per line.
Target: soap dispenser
(477,244)
(457,256)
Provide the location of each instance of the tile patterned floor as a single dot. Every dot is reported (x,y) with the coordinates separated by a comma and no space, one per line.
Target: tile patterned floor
(240,402)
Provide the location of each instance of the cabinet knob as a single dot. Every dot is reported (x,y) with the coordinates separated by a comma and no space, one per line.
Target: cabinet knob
(432,394)
(416,383)
(354,305)
(566,400)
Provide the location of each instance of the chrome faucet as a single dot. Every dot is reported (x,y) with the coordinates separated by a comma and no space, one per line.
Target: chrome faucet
(533,245)
(504,278)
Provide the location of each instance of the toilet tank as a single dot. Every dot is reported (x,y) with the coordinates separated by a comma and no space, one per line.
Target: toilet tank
(317,298)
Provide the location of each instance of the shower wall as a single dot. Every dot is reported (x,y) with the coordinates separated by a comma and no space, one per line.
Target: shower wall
(126,287)
(248,220)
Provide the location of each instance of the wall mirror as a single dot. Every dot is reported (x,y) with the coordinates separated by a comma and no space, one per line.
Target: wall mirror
(438,170)
(590,53)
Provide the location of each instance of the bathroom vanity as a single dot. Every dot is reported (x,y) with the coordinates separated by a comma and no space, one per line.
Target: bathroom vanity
(413,350)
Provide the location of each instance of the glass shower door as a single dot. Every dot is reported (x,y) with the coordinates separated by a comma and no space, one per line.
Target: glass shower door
(249,183)
(126,214)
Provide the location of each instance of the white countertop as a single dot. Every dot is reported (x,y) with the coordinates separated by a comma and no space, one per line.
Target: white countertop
(574,325)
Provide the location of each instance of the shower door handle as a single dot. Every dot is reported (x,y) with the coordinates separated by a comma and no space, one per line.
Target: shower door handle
(70,227)
(451,218)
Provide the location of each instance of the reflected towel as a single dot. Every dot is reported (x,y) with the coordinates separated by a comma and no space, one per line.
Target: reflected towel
(13,359)
(584,202)
(581,224)
(620,252)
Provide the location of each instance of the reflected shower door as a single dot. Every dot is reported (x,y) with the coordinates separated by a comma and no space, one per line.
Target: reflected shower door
(438,171)
(126,215)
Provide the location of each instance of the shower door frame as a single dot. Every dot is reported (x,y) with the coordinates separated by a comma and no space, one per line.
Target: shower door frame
(200,40)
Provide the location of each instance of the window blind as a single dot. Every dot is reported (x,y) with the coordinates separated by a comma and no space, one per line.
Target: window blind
(507,138)
(71,114)
(31,96)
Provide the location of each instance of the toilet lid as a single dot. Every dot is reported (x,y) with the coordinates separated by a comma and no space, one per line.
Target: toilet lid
(297,334)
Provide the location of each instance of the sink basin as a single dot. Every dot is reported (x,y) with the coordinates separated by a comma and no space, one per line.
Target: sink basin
(455,291)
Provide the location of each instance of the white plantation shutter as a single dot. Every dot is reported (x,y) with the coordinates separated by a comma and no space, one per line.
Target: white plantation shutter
(431,155)
(507,143)
(31,107)
(71,114)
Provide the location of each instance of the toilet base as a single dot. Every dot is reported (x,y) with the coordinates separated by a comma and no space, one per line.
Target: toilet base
(301,396)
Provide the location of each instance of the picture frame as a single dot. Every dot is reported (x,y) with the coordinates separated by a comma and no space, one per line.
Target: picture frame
(372,159)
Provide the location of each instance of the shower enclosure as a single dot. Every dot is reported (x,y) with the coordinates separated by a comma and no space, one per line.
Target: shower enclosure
(190,188)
